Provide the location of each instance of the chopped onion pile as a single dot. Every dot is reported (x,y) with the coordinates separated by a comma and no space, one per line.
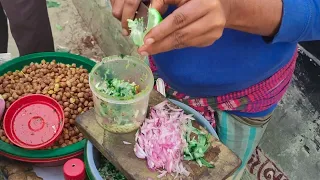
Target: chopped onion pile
(161,140)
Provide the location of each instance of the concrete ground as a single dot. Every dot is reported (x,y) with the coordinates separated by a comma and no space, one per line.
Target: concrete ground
(69,32)
(292,139)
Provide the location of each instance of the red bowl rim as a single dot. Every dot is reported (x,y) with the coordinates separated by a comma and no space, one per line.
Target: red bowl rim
(41,145)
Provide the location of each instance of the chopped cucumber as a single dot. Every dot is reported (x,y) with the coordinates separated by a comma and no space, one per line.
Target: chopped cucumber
(196,149)
(138,29)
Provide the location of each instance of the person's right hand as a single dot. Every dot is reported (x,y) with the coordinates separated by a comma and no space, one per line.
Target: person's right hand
(126,9)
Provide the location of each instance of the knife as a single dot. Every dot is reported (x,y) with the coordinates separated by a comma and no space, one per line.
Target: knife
(142,12)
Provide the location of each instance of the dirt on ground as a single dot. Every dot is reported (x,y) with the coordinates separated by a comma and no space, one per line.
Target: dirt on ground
(69,32)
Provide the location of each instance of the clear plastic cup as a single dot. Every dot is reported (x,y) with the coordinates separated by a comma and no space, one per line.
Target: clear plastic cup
(114,114)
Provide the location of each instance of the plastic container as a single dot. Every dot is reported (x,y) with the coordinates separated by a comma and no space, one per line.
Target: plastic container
(74,170)
(115,114)
(34,121)
(92,156)
(49,156)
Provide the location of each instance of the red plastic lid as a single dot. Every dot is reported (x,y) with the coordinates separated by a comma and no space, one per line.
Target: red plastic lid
(34,121)
(74,170)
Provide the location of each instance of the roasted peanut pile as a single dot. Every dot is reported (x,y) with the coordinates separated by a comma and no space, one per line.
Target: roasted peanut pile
(68,84)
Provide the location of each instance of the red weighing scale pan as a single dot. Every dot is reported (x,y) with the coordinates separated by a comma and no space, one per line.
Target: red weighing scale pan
(34,121)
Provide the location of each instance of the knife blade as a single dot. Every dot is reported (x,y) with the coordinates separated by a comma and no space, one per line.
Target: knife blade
(142,12)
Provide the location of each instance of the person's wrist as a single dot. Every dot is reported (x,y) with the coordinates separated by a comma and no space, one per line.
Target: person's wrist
(247,16)
(227,9)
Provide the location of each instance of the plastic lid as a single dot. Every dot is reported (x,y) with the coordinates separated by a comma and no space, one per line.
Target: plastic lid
(74,170)
(34,121)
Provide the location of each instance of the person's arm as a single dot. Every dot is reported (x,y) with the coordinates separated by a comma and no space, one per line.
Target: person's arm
(199,23)
(280,21)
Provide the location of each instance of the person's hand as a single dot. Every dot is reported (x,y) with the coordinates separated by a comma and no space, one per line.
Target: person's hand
(195,23)
(126,9)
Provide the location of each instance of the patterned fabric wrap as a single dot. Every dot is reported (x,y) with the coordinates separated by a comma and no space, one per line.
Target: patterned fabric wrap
(254,99)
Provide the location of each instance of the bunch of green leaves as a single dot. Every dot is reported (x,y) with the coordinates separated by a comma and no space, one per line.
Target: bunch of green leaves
(196,149)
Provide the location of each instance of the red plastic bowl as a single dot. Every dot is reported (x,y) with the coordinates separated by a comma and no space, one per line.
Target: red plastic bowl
(34,121)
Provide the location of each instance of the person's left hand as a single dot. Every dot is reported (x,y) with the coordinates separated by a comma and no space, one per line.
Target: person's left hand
(195,23)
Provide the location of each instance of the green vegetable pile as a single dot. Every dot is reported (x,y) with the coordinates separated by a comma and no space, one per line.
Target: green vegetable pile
(139,29)
(117,114)
(197,147)
(108,171)
(118,88)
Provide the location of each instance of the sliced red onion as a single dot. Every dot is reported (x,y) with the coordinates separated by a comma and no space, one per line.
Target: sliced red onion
(160,140)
